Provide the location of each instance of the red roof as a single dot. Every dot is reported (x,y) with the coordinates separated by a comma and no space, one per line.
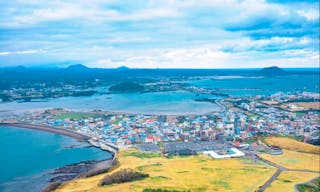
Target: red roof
(150,137)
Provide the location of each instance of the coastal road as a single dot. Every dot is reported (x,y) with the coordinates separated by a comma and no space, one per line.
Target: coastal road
(217,101)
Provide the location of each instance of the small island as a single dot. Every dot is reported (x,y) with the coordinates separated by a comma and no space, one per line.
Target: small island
(126,87)
(274,70)
(205,100)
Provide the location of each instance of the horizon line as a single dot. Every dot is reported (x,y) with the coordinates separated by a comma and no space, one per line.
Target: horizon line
(129,68)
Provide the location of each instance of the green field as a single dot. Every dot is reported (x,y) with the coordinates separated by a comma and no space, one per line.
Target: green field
(73,115)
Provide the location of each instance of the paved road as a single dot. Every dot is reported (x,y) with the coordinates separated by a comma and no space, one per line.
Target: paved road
(278,172)
(280,169)
(266,184)
(304,170)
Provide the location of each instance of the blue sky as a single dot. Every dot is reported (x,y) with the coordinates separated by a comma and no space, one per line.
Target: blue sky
(160,34)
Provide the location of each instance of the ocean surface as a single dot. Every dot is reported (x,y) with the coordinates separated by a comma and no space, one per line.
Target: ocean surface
(260,85)
(178,102)
(27,156)
(173,102)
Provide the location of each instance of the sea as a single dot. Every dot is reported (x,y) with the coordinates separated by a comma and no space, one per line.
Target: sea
(27,157)
(260,85)
(178,102)
(167,103)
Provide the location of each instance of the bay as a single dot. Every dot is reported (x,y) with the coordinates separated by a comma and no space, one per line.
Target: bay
(27,156)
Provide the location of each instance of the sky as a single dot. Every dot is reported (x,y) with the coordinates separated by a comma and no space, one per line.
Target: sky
(160,33)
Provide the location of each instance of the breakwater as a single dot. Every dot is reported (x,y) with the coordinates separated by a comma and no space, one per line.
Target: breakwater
(47,128)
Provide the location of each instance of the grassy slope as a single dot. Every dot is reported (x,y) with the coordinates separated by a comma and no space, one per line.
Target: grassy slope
(201,173)
(73,115)
(295,160)
(291,144)
(195,173)
(311,186)
(287,180)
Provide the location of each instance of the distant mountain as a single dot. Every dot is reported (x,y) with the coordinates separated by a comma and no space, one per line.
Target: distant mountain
(274,70)
(123,68)
(15,69)
(20,68)
(77,67)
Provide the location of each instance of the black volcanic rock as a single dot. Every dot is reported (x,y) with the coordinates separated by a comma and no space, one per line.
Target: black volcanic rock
(274,70)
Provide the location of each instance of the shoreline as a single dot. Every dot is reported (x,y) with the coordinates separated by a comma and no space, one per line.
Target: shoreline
(119,112)
(109,147)
(92,167)
(60,131)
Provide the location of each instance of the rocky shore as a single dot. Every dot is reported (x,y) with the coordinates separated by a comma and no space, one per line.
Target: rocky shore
(77,170)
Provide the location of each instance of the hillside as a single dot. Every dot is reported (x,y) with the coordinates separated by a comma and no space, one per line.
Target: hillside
(274,70)
(291,144)
(77,67)
(191,173)
(126,87)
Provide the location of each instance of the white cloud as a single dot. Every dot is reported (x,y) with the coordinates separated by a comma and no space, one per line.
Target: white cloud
(127,39)
(173,58)
(5,53)
(24,52)
(210,57)
(83,12)
(312,14)
(168,33)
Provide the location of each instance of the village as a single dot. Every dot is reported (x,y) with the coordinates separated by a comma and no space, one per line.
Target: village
(219,134)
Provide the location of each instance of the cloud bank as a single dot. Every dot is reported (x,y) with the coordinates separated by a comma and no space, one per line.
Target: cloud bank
(160,34)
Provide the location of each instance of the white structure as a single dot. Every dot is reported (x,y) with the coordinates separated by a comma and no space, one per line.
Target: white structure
(237,153)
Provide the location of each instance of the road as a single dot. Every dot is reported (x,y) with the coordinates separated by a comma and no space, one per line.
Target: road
(278,172)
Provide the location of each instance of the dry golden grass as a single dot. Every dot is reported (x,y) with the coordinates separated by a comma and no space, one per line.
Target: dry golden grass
(288,179)
(269,102)
(300,106)
(194,173)
(295,160)
(308,105)
(291,144)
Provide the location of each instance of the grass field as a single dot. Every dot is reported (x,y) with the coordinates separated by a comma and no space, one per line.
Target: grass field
(195,173)
(73,115)
(295,160)
(296,155)
(291,144)
(311,186)
(288,179)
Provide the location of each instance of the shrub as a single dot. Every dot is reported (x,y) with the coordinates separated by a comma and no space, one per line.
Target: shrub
(122,176)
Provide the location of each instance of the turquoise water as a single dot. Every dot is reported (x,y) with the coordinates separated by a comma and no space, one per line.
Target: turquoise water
(28,155)
(178,102)
(174,102)
(240,85)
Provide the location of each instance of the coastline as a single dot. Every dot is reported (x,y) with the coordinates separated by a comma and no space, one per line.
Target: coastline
(47,128)
(111,148)
(62,174)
